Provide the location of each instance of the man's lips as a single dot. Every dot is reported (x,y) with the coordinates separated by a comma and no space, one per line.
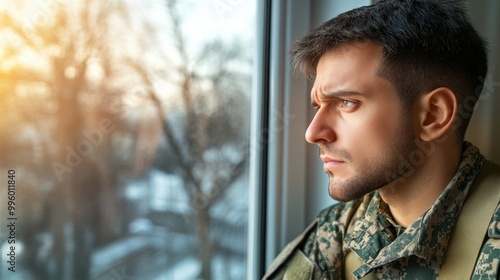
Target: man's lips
(331,162)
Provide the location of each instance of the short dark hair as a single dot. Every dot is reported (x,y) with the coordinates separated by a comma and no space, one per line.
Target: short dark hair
(426,45)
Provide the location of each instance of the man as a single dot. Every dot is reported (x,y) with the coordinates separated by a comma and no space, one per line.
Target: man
(394,88)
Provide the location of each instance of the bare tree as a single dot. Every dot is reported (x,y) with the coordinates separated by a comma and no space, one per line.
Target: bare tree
(208,127)
(207,134)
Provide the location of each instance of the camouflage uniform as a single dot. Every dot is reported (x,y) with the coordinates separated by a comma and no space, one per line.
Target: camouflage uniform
(388,250)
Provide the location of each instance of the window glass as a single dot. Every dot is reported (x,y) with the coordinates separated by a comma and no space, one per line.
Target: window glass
(124,138)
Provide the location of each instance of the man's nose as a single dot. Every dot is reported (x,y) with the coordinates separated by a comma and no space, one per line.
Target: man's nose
(321,128)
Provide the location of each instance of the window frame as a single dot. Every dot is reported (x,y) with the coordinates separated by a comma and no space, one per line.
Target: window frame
(278,148)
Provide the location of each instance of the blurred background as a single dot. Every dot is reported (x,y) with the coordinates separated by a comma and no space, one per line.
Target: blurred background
(127,125)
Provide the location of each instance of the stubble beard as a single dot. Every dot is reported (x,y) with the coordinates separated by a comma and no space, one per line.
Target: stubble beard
(373,176)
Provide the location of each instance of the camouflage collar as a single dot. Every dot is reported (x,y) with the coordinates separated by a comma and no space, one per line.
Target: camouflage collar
(373,239)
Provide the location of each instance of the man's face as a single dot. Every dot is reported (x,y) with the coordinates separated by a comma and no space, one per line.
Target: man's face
(360,126)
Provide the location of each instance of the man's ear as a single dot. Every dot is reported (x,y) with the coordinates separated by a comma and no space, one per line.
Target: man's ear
(437,110)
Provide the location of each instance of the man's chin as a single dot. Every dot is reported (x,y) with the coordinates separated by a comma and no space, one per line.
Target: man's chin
(347,191)
(342,195)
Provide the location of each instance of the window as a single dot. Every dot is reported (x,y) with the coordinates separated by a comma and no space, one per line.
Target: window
(125,133)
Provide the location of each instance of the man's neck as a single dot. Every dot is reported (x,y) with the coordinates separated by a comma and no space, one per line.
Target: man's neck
(409,197)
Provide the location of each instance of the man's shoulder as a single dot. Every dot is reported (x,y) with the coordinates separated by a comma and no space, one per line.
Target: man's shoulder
(276,269)
(328,226)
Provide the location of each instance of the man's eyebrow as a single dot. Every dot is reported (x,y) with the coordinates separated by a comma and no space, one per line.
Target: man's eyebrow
(339,94)
(334,94)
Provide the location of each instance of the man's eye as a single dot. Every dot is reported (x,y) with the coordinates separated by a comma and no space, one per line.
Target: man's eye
(348,104)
